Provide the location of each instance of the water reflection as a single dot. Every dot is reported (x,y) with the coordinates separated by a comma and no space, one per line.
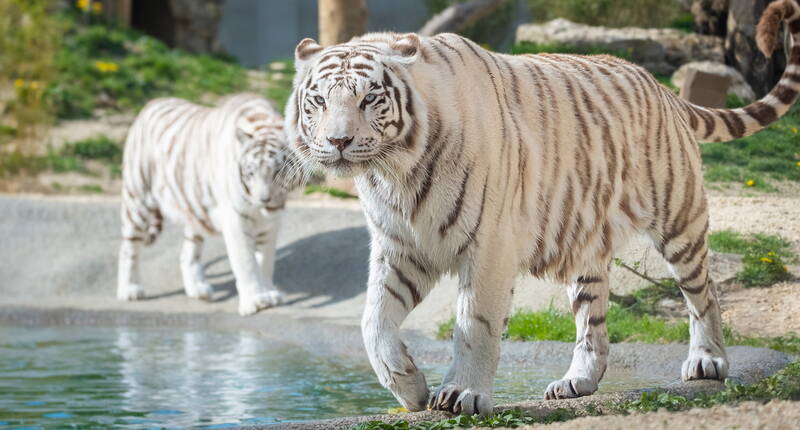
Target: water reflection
(140,378)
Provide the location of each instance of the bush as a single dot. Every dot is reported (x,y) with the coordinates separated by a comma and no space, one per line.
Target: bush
(99,148)
(29,39)
(611,13)
(102,66)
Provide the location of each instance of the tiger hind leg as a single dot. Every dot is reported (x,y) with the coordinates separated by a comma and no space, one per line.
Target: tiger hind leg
(687,255)
(141,225)
(194,280)
(588,297)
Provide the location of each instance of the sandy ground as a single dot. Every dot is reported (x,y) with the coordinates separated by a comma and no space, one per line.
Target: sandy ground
(776,415)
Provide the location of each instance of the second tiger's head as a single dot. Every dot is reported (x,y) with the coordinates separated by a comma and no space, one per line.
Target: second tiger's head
(353,104)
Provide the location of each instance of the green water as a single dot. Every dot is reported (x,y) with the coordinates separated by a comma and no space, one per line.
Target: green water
(77,377)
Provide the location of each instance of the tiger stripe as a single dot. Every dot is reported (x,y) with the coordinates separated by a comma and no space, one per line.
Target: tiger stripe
(544,164)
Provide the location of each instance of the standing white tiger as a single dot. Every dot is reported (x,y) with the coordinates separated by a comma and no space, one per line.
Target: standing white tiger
(211,170)
(485,165)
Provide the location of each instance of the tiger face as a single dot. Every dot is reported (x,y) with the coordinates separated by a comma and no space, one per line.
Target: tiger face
(259,163)
(352,103)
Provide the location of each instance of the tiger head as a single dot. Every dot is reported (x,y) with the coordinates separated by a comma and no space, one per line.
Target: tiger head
(261,159)
(353,105)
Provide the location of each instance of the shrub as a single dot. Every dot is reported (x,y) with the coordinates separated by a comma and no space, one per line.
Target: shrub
(29,38)
(611,13)
(102,66)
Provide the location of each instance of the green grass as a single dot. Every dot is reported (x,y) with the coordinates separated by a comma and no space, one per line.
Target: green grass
(506,419)
(335,192)
(101,66)
(624,325)
(563,48)
(91,188)
(783,385)
(731,242)
(72,157)
(770,155)
(765,256)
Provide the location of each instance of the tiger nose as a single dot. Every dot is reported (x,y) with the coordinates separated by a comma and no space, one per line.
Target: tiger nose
(340,142)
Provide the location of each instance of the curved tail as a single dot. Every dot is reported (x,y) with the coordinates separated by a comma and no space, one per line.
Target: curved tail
(719,125)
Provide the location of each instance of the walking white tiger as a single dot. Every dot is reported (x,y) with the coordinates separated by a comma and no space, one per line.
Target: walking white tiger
(212,170)
(485,165)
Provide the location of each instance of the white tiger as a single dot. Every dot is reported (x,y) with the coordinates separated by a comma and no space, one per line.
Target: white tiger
(486,165)
(212,170)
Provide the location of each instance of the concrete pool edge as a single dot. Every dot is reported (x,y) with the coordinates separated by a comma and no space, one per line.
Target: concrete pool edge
(749,365)
(598,403)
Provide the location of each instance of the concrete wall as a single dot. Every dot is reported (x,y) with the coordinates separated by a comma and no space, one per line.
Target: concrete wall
(259,31)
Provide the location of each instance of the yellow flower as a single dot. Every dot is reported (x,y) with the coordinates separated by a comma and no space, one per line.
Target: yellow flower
(770,254)
(797,164)
(393,411)
(82,4)
(106,67)
(794,130)
(97,8)
(766,260)
(34,85)
(750,182)
(19,83)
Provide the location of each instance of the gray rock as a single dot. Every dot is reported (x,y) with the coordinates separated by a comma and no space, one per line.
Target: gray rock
(739,86)
(661,51)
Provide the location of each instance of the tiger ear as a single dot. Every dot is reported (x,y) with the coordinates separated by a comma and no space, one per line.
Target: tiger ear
(306,51)
(406,49)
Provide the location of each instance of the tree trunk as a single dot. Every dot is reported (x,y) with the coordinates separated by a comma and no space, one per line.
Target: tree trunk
(741,51)
(459,16)
(340,20)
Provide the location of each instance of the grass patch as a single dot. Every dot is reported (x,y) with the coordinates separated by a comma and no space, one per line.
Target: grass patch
(771,154)
(102,66)
(98,148)
(72,157)
(764,256)
(623,323)
(783,385)
(335,192)
(91,189)
(563,48)
(506,419)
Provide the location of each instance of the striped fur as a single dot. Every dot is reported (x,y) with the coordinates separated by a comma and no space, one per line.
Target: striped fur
(211,170)
(488,165)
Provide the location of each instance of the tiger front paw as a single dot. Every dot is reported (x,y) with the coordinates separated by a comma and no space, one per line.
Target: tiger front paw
(267,299)
(570,388)
(460,400)
(130,292)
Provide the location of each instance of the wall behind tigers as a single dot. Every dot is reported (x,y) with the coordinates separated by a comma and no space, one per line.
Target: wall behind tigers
(259,31)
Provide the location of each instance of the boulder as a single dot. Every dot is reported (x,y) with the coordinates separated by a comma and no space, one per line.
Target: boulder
(660,50)
(739,86)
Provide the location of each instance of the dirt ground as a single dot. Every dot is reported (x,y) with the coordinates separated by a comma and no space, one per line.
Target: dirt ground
(751,415)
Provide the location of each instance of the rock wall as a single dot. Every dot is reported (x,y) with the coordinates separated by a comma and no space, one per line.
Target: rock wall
(197,24)
(661,51)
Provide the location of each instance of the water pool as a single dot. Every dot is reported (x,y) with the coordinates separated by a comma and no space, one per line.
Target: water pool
(88,377)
